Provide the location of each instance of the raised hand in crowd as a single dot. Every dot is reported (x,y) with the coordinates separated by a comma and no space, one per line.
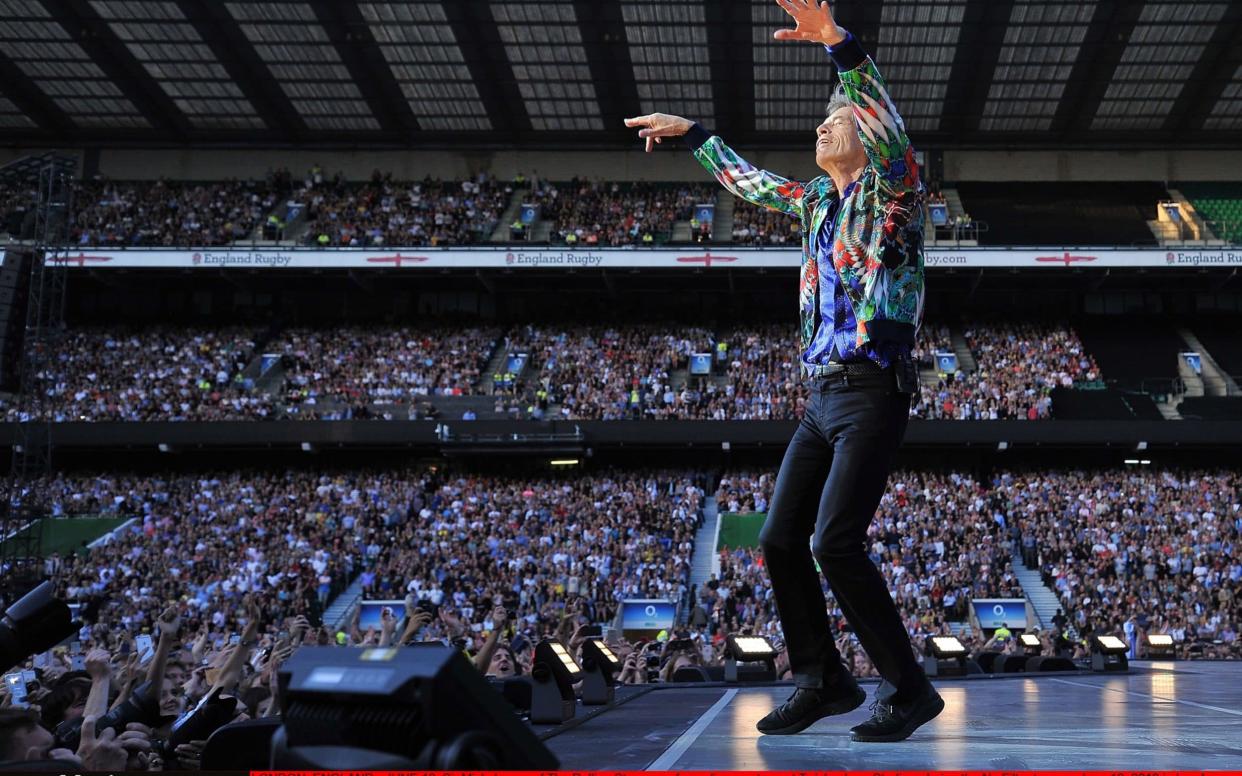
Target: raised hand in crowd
(102,752)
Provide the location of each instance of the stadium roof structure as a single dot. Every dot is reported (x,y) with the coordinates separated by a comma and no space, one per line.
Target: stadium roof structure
(492,74)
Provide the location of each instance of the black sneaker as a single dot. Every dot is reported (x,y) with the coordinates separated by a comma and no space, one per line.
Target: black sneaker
(807,706)
(895,722)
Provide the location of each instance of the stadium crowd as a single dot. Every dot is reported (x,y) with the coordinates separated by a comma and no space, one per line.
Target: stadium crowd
(296,536)
(493,564)
(355,366)
(219,558)
(1138,551)
(932,338)
(584,212)
(625,371)
(761,227)
(1129,552)
(531,545)
(384,213)
(610,372)
(934,538)
(156,373)
(1018,365)
(165,213)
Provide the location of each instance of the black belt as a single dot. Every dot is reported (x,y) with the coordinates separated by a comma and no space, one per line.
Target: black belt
(850,368)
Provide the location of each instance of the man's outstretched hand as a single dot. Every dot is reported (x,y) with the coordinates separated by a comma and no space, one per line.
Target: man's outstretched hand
(657,126)
(815,22)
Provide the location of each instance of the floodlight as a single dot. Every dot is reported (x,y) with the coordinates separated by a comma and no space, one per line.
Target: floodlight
(598,666)
(1108,653)
(749,649)
(1031,644)
(948,657)
(947,646)
(1111,644)
(567,660)
(1160,645)
(553,673)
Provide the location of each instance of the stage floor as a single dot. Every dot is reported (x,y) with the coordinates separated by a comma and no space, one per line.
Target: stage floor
(1160,716)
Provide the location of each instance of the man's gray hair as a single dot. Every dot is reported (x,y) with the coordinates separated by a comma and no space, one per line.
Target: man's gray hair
(838,101)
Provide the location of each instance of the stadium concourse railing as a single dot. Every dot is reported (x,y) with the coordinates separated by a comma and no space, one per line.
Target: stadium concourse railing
(694,256)
(518,437)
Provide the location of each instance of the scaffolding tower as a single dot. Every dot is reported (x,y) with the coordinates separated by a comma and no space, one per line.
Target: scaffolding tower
(42,260)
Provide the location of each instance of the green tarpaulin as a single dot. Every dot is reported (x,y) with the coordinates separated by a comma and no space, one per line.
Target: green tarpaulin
(740,529)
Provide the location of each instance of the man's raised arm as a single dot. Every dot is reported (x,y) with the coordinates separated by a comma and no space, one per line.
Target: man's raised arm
(880,128)
(743,179)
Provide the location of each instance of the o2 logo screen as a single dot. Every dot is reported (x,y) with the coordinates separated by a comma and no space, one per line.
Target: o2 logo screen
(646,615)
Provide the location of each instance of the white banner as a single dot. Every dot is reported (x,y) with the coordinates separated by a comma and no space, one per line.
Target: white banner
(716,257)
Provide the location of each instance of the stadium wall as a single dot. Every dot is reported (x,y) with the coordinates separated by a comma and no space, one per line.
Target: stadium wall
(189,164)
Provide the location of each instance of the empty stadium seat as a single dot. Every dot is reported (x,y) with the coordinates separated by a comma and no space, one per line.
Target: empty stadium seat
(1220,205)
(1063,213)
(1211,408)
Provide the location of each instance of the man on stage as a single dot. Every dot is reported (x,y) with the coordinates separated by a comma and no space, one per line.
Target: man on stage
(861,302)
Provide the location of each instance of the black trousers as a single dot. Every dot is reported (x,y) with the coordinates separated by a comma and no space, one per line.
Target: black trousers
(829,486)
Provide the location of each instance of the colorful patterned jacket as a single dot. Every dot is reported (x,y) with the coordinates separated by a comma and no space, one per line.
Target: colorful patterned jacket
(878,245)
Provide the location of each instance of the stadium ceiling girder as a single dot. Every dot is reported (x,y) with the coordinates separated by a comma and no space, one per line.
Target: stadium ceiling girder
(88,30)
(503,73)
(1220,63)
(237,56)
(30,101)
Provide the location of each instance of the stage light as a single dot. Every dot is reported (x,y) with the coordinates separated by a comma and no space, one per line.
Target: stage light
(424,708)
(1108,653)
(565,462)
(307,447)
(947,646)
(566,659)
(599,664)
(553,673)
(948,657)
(1002,446)
(1111,644)
(749,649)
(1141,446)
(1031,644)
(1160,645)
